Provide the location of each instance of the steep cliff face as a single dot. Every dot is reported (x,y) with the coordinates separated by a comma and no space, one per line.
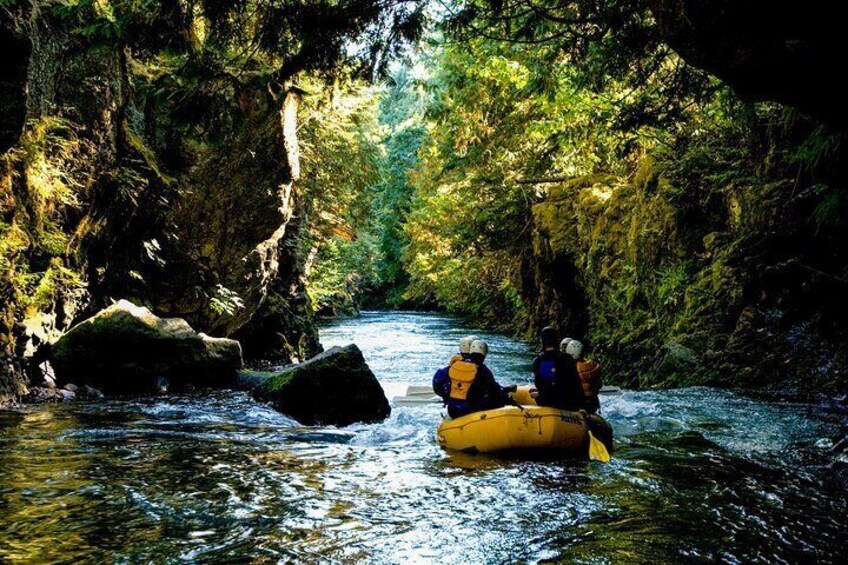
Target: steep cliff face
(283,329)
(230,218)
(12,93)
(118,180)
(778,51)
(686,280)
(68,142)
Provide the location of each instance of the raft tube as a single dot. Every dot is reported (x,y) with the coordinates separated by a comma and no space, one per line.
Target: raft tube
(529,428)
(522,396)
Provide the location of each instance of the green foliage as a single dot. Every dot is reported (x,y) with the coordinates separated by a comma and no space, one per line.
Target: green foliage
(832,209)
(41,181)
(340,151)
(402,108)
(51,167)
(343,271)
(339,144)
(51,148)
(284,37)
(360,192)
(225,301)
(671,284)
(502,116)
(611,47)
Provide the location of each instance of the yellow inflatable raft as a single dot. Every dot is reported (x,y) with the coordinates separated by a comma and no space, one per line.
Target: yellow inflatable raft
(536,428)
(522,396)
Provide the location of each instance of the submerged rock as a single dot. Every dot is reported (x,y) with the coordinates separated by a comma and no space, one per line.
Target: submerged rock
(676,363)
(250,380)
(126,349)
(334,388)
(86,392)
(44,395)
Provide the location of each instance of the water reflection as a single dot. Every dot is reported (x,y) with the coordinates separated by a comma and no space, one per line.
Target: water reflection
(699,475)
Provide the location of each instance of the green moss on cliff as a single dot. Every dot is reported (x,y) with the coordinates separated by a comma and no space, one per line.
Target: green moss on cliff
(43,180)
(666,263)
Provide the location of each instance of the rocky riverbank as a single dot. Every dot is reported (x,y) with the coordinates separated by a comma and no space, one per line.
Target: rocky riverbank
(125,351)
(729,285)
(110,187)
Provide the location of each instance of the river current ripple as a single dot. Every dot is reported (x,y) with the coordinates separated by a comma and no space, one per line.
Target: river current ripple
(699,475)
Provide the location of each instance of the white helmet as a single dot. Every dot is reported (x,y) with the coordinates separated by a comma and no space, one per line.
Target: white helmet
(479,346)
(465,344)
(575,349)
(564,344)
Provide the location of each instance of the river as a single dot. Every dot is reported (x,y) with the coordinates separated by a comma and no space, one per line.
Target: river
(698,475)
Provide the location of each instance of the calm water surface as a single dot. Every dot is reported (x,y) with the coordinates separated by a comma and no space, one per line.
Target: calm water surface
(699,475)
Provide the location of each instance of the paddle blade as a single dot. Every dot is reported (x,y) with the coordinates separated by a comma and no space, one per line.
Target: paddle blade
(597,450)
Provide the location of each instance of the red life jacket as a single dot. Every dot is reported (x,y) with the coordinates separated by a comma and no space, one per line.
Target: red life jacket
(590,377)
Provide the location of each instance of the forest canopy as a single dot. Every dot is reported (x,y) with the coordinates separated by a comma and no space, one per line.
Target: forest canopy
(570,167)
(609,167)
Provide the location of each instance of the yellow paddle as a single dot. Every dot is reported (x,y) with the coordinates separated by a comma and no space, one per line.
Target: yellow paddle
(597,450)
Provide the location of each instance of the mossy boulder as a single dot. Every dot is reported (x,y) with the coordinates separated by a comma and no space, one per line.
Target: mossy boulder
(676,364)
(334,388)
(249,379)
(126,349)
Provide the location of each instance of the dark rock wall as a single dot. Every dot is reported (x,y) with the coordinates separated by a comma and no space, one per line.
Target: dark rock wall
(788,52)
(117,183)
(12,87)
(231,218)
(283,329)
(736,287)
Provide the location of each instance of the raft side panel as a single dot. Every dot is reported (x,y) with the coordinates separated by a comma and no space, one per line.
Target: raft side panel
(514,429)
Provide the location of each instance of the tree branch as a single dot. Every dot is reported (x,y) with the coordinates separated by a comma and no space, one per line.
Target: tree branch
(542,180)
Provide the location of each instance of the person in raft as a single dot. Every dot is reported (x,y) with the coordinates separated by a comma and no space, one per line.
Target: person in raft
(464,349)
(441,381)
(557,382)
(589,372)
(468,385)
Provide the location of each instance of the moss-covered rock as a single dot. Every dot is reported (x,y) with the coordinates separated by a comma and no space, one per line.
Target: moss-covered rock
(334,388)
(12,385)
(125,349)
(676,365)
(676,278)
(120,178)
(249,379)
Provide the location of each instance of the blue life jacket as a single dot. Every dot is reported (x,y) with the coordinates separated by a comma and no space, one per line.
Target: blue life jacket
(546,371)
(441,383)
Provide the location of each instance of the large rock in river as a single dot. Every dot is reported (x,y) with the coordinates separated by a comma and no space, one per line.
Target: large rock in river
(126,349)
(334,388)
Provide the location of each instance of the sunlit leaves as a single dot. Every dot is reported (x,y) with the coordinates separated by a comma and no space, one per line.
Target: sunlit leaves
(501,113)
